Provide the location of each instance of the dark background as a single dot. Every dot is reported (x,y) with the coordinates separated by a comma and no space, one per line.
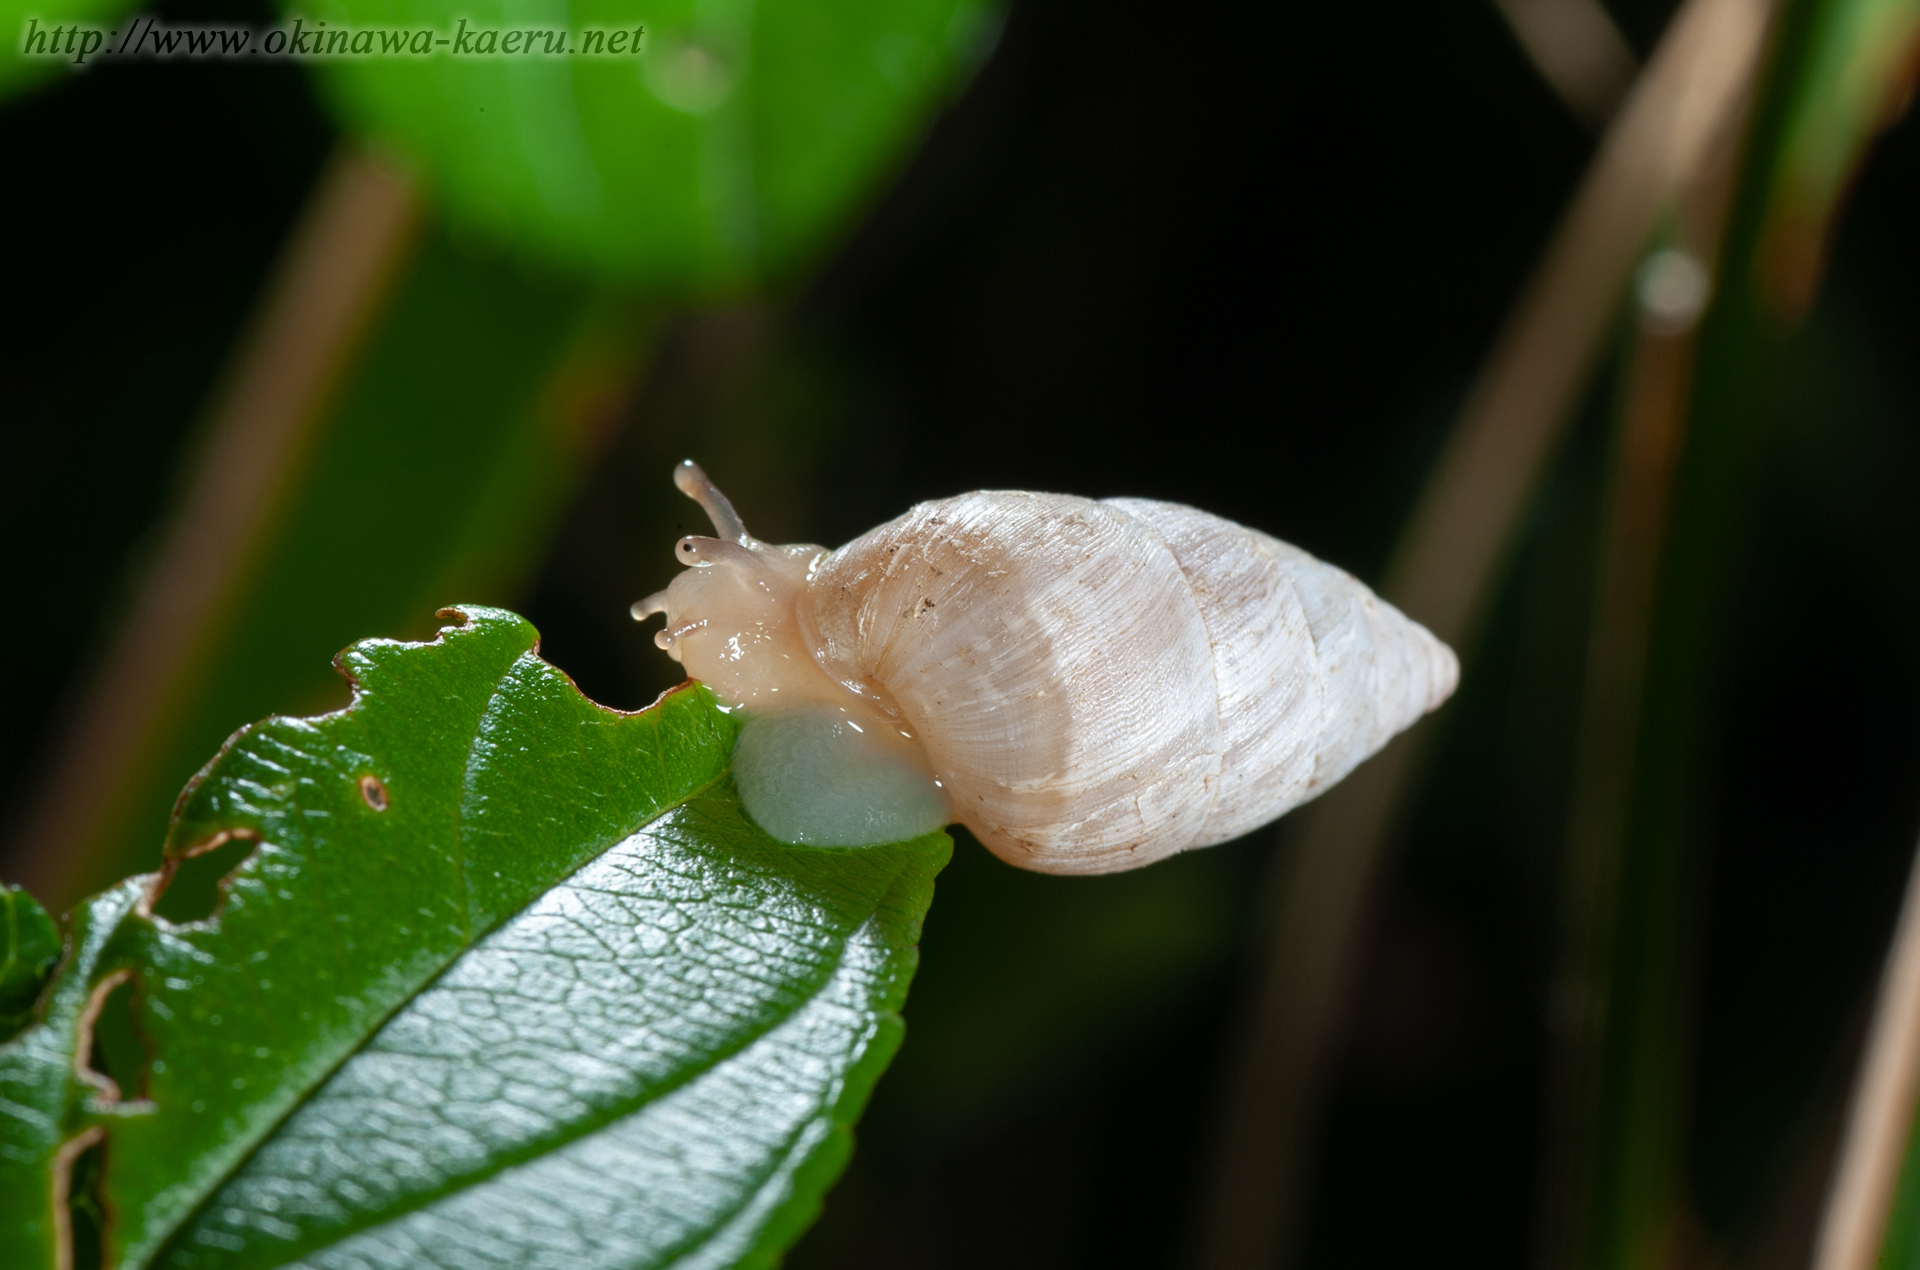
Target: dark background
(1242,256)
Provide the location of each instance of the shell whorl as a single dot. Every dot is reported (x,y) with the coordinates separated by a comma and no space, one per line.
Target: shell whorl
(1102,684)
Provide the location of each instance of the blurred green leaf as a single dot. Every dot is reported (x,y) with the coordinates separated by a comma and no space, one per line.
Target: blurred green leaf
(738,138)
(439,469)
(1857,64)
(507,976)
(1900,1250)
(17,72)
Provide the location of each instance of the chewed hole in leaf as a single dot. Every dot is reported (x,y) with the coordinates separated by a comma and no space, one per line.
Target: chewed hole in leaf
(115,1049)
(373,793)
(79,1203)
(192,890)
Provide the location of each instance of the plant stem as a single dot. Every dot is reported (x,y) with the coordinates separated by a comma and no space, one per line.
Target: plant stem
(1450,555)
(1881,1118)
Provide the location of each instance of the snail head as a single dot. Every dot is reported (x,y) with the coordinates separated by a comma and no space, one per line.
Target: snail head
(732,616)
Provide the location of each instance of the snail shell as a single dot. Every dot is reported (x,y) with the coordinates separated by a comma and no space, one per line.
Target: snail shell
(1087,685)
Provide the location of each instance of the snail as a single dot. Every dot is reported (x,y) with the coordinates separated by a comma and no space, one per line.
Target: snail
(1087,686)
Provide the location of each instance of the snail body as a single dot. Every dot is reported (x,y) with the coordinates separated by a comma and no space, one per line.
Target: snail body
(1087,685)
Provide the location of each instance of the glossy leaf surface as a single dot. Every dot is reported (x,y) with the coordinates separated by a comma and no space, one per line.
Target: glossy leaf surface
(37,1087)
(28,946)
(507,979)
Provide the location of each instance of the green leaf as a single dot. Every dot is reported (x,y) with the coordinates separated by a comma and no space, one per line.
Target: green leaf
(739,137)
(19,72)
(507,976)
(1900,1245)
(29,945)
(36,1088)
(1854,75)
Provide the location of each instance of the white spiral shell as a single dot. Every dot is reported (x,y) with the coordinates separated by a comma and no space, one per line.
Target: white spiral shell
(1091,685)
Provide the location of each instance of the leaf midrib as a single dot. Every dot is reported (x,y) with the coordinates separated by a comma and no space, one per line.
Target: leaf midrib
(161,1240)
(614,1112)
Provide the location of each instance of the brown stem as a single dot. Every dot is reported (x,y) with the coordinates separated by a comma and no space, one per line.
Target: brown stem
(1881,1118)
(1450,554)
(1579,52)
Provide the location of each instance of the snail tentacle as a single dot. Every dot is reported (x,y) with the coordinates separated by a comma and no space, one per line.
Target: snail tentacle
(644,609)
(693,481)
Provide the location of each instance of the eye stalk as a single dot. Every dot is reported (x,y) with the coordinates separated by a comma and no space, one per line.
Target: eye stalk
(732,616)
(692,480)
(733,546)
(697,552)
